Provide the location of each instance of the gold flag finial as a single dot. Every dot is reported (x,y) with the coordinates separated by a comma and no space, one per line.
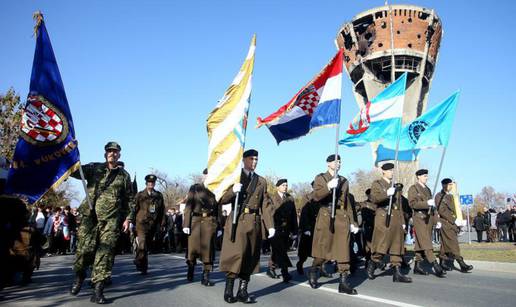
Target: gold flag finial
(38,17)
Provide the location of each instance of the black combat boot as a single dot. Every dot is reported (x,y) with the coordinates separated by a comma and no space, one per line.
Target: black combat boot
(206,279)
(418,269)
(242,295)
(190,273)
(285,274)
(464,268)
(344,286)
(228,292)
(299,268)
(325,273)
(438,270)
(271,272)
(371,266)
(312,278)
(444,264)
(398,277)
(77,284)
(98,294)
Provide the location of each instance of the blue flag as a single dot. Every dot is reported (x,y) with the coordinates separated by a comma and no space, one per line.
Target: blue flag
(429,130)
(380,118)
(386,154)
(46,152)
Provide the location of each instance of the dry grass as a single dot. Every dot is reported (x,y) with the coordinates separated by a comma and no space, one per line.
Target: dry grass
(497,252)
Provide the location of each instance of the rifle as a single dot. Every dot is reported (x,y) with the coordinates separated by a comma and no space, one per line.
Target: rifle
(237,207)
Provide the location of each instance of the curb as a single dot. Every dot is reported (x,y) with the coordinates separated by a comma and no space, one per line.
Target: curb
(504,267)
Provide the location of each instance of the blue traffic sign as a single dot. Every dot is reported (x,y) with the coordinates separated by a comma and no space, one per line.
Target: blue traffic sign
(466,199)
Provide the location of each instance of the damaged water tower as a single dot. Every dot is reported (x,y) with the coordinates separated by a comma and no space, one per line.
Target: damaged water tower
(370,45)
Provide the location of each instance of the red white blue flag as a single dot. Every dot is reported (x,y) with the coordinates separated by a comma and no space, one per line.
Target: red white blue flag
(316,105)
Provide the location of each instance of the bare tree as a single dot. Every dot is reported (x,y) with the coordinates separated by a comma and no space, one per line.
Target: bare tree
(489,198)
(10,117)
(300,191)
(174,190)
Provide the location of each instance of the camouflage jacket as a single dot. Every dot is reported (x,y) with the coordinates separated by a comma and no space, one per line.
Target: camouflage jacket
(114,201)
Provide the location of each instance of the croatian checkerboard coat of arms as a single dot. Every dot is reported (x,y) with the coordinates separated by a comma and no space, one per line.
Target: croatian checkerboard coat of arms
(42,123)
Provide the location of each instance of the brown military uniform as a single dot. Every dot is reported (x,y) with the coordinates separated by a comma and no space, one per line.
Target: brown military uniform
(200,215)
(148,215)
(418,196)
(327,245)
(449,231)
(285,224)
(241,258)
(387,240)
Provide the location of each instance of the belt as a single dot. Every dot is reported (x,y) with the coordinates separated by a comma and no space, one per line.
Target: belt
(248,210)
(203,214)
(421,210)
(336,206)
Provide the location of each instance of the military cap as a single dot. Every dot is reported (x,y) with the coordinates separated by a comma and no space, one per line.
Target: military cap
(150,178)
(331,158)
(112,145)
(446,181)
(281,181)
(387,166)
(205,171)
(422,172)
(250,153)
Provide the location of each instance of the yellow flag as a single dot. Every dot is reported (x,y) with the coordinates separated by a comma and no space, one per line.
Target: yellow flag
(226,126)
(456,201)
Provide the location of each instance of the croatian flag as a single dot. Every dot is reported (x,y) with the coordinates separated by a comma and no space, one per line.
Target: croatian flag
(380,118)
(316,105)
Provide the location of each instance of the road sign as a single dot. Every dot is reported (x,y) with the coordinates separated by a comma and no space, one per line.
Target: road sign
(466,200)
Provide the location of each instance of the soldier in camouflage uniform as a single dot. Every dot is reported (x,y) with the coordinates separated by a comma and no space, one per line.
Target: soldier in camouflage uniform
(148,213)
(109,189)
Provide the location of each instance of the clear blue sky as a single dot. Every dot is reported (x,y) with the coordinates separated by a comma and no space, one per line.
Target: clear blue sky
(147,73)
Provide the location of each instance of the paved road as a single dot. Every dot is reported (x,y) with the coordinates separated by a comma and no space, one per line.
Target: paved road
(166,286)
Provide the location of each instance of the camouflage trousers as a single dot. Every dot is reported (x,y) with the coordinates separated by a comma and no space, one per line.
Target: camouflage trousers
(96,247)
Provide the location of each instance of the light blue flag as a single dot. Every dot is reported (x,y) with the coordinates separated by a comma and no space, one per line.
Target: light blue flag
(387,154)
(380,118)
(429,130)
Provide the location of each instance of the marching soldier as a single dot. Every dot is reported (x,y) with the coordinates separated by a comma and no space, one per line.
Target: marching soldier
(306,227)
(450,250)
(149,212)
(387,240)
(201,225)
(285,224)
(367,210)
(328,244)
(240,258)
(424,217)
(109,188)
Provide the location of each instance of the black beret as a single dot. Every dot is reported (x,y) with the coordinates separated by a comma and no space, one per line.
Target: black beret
(331,158)
(205,171)
(446,181)
(112,145)
(280,182)
(422,172)
(250,153)
(387,166)
(150,178)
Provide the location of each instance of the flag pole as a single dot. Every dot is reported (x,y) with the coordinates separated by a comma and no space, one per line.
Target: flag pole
(393,78)
(438,174)
(85,187)
(335,175)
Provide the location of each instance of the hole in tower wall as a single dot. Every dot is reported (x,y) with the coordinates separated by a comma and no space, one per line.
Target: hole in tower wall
(409,45)
(380,45)
(419,36)
(409,20)
(384,25)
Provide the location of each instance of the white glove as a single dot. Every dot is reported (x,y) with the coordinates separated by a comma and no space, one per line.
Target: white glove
(458,222)
(332,184)
(237,187)
(353,229)
(438,225)
(431,203)
(307,233)
(404,226)
(272,231)
(219,233)
(390,191)
(294,237)
(186,230)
